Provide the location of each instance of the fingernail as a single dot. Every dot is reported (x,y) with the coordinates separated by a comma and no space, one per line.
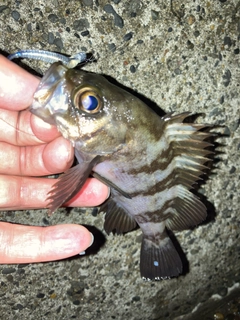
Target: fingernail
(109,192)
(84,252)
(92,240)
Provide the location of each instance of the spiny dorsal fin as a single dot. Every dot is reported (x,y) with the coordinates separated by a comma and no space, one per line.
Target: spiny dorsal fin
(189,155)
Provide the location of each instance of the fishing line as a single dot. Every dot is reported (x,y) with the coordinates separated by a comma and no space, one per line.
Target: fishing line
(16,129)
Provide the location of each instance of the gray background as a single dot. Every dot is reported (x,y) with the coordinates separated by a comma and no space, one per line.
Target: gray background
(183,58)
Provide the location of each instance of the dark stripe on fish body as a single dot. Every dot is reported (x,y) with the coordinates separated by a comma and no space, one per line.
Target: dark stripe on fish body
(160,163)
(154,217)
(174,178)
(157,237)
(166,157)
(186,217)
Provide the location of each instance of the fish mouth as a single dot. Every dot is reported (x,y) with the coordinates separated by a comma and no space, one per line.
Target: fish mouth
(51,96)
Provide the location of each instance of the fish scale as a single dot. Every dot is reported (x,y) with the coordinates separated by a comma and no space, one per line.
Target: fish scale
(149,162)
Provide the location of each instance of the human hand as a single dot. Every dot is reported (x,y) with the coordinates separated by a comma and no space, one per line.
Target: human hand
(30,148)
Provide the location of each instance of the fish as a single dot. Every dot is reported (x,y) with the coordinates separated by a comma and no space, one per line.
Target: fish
(149,162)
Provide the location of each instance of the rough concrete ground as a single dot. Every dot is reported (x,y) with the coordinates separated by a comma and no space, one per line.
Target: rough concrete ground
(183,56)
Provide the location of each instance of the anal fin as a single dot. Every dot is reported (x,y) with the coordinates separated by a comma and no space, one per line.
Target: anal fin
(159,259)
(116,219)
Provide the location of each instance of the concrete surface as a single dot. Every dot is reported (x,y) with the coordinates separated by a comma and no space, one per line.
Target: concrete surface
(182,56)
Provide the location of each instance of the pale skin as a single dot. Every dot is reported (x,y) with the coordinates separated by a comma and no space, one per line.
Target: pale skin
(29,149)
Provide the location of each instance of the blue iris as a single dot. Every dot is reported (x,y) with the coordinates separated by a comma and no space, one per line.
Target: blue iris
(89,102)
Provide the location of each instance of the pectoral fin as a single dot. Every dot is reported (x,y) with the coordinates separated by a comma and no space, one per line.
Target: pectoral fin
(69,183)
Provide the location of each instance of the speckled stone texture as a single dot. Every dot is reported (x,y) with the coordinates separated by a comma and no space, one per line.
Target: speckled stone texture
(183,56)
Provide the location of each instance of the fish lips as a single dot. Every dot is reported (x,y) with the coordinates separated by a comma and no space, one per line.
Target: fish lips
(51,97)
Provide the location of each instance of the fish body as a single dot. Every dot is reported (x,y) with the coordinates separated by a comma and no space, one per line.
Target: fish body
(150,162)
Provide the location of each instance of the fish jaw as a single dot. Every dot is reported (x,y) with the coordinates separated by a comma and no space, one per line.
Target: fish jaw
(51,97)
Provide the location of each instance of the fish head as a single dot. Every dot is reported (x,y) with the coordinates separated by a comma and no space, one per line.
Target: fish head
(86,108)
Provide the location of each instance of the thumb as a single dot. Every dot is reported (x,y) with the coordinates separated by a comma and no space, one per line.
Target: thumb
(25,244)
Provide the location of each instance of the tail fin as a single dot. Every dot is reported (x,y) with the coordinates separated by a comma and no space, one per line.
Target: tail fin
(159,259)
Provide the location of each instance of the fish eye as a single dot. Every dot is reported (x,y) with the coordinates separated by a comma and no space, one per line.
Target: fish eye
(87,100)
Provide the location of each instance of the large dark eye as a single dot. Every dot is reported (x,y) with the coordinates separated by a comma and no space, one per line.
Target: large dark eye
(87,100)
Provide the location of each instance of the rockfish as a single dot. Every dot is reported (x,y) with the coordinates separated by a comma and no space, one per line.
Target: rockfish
(150,162)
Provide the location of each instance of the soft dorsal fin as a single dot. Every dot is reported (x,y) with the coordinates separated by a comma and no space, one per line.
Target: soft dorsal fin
(189,156)
(185,211)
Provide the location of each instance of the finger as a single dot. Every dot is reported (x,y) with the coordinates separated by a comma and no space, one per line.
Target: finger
(23,244)
(17,86)
(23,128)
(40,160)
(31,193)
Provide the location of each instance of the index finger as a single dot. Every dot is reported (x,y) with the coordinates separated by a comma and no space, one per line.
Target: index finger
(17,86)
(19,126)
